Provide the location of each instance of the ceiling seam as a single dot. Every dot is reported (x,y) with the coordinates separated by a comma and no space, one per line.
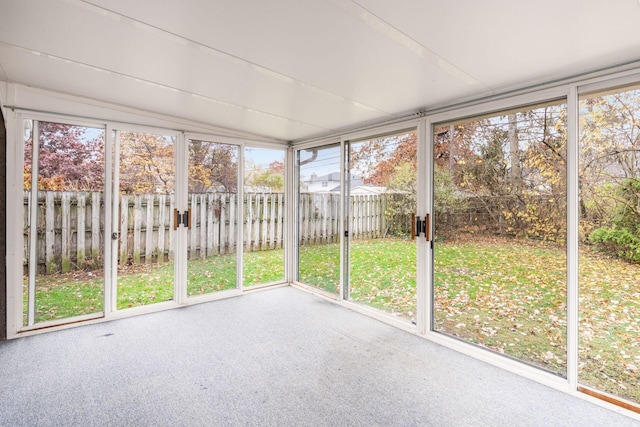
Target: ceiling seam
(409,43)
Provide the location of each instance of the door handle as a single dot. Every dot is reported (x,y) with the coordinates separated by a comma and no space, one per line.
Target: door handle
(421,226)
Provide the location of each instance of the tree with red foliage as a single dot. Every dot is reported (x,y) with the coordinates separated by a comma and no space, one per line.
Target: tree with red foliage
(70,158)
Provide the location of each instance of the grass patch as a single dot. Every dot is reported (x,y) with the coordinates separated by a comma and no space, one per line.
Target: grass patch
(505,295)
(60,296)
(383,275)
(320,266)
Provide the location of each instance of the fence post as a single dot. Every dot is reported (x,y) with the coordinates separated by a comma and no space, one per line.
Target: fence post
(216,224)
(124,230)
(265,219)
(162,217)
(50,232)
(193,233)
(95,227)
(210,214)
(203,225)
(148,229)
(272,222)
(81,220)
(66,231)
(280,222)
(232,222)
(304,217)
(137,229)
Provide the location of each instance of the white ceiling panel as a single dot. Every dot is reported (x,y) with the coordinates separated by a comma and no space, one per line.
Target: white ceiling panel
(144,52)
(66,76)
(513,43)
(292,69)
(325,44)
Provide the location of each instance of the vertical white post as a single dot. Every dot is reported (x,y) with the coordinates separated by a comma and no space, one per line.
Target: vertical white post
(344,218)
(179,240)
(33,224)
(110,245)
(572,237)
(15,217)
(116,205)
(239,218)
(424,253)
(291,216)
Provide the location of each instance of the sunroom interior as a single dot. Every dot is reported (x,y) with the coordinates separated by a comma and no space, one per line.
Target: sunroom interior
(466,172)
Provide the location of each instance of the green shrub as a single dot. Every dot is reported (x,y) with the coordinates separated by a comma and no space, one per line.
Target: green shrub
(622,237)
(621,242)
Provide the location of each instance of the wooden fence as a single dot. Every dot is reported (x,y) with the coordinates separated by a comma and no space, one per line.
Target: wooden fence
(70,225)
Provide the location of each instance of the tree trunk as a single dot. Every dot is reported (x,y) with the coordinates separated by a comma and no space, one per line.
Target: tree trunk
(514,156)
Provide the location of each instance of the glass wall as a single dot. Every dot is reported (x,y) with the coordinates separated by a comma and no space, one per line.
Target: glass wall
(264,216)
(145,182)
(382,197)
(319,217)
(212,237)
(609,209)
(500,233)
(63,208)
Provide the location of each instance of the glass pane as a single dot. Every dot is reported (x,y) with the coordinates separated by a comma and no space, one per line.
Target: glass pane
(382,254)
(609,183)
(66,225)
(319,218)
(500,225)
(213,184)
(263,216)
(145,220)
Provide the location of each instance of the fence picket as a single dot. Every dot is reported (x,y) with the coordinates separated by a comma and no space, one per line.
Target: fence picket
(137,229)
(80,230)
(203,225)
(272,222)
(216,224)
(162,219)
(66,231)
(146,224)
(232,228)
(50,233)
(257,223)
(223,224)
(248,221)
(279,241)
(148,229)
(124,230)
(210,213)
(193,233)
(95,226)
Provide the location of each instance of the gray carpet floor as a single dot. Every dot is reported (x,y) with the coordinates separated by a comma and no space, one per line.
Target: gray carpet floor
(280,357)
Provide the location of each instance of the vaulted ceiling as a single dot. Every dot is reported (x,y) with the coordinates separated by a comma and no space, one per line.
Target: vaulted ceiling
(295,69)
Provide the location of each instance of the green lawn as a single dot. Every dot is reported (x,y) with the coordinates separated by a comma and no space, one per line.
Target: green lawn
(77,293)
(505,295)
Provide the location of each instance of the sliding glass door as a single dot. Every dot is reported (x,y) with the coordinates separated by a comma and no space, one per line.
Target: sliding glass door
(264,216)
(144,199)
(213,208)
(609,210)
(382,196)
(319,217)
(63,202)
(500,251)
